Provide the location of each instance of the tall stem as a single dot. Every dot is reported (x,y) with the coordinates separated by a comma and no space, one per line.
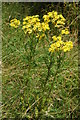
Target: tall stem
(48,73)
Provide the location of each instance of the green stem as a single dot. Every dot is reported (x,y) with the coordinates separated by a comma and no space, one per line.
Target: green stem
(48,73)
(58,66)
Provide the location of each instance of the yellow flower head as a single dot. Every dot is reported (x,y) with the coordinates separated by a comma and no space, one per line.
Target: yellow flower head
(60,22)
(50,14)
(42,36)
(59,45)
(65,31)
(54,38)
(14,23)
(62,18)
(45,26)
(59,37)
(55,14)
(67,46)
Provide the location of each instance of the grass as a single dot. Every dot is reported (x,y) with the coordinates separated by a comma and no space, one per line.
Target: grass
(23,88)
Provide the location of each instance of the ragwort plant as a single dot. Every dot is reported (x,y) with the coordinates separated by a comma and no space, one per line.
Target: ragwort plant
(49,36)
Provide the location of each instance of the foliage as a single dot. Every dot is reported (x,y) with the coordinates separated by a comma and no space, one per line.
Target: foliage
(39,82)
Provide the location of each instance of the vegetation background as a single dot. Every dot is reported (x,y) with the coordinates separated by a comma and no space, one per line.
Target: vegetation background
(20,96)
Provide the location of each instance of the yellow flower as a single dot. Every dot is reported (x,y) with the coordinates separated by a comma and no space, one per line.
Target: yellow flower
(40,28)
(59,37)
(45,26)
(60,22)
(54,38)
(14,23)
(36,16)
(57,44)
(58,26)
(50,14)
(38,25)
(65,32)
(27,17)
(45,17)
(24,23)
(61,42)
(26,26)
(67,46)
(55,13)
(13,20)
(52,49)
(62,18)
(29,31)
(60,45)
(42,36)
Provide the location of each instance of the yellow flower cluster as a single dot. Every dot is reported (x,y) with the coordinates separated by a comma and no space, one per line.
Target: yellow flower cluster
(58,44)
(65,32)
(45,26)
(67,46)
(30,23)
(14,23)
(57,20)
(33,24)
